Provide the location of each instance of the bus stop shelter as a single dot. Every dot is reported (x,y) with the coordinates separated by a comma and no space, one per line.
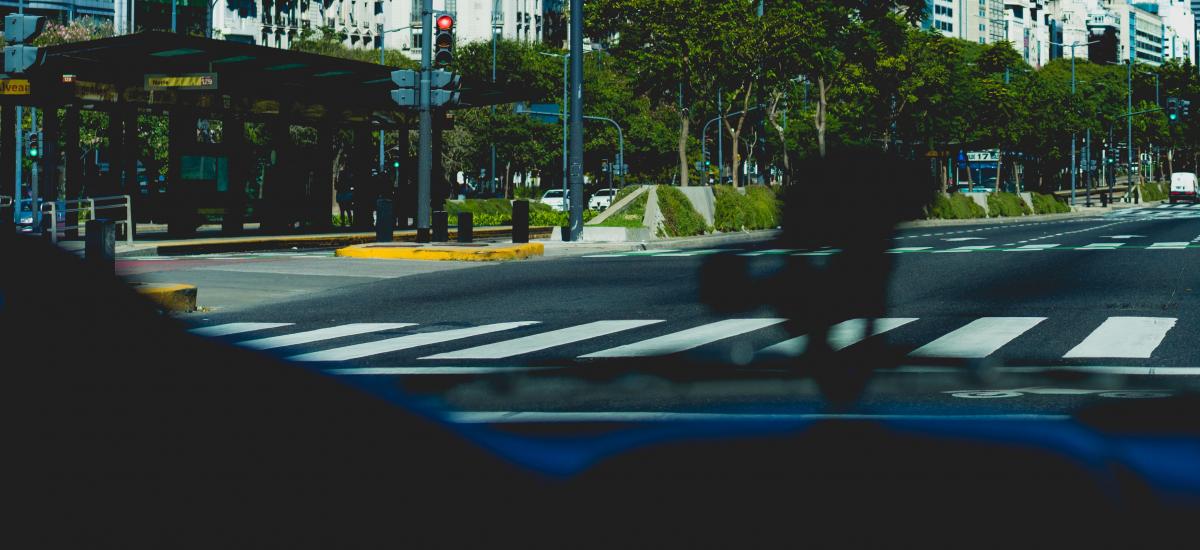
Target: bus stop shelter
(192,80)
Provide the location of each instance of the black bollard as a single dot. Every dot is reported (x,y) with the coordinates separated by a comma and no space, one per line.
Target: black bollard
(441,231)
(1104,200)
(384,220)
(466,226)
(100,246)
(520,221)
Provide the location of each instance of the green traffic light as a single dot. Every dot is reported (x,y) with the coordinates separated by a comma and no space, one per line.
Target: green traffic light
(395,164)
(1174,116)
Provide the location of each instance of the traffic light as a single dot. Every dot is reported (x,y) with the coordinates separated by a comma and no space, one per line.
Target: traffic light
(395,164)
(19,30)
(443,41)
(1172,109)
(407,95)
(34,149)
(443,88)
(1185,107)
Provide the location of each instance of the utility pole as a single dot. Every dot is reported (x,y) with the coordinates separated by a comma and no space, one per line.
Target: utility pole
(720,139)
(1087,161)
(492,174)
(425,139)
(576,218)
(1129,122)
(1074,134)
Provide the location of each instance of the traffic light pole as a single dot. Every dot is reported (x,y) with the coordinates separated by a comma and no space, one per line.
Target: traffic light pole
(425,138)
(576,219)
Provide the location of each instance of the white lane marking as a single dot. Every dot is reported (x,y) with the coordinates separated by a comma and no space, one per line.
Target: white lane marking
(964,249)
(1121,236)
(704,252)
(1105,369)
(1134,337)
(319,335)
(512,417)
(687,339)
(1102,246)
(235,328)
(773,251)
(957,239)
(1168,246)
(545,340)
(979,338)
(1031,247)
(405,342)
(841,336)
(427,371)
(903,249)
(631,253)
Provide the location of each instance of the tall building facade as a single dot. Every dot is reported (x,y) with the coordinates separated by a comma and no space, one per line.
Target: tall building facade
(981,21)
(61,10)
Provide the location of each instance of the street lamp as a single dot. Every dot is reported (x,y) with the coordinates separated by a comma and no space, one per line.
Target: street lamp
(1073,45)
(620,137)
(565,57)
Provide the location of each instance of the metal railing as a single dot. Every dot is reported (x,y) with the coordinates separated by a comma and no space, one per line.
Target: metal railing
(50,210)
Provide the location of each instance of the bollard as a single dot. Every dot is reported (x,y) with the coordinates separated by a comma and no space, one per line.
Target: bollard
(384,220)
(441,231)
(466,227)
(1104,200)
(100,247)
(520,221)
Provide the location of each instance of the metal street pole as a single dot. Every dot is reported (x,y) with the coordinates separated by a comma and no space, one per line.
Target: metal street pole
(382,47)
(425,138)
(720,140)
(1087,162)
(576,218)
(1073,133)
(1129,123)
(492,174)
(564,129)
(173,2)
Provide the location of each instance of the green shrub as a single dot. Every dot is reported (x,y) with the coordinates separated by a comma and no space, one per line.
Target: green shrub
(1006,205)
(522,192)
(1154,191)
(680,219)
(757,208)
(1048,204)
(956,206)
(631,215)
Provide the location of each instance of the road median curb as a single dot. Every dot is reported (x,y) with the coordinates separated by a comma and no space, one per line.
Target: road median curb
(169,296)
(214,245)
(463,253)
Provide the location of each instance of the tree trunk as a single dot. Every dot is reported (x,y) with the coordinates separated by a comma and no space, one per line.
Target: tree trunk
(735,133)
(774,118)
(819,115)
(683,137)
(999,163)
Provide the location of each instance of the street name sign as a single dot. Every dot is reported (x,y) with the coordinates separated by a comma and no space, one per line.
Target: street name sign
(14,86)
(195,81)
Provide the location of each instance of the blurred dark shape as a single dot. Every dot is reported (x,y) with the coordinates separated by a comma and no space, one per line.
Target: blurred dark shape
(843,209)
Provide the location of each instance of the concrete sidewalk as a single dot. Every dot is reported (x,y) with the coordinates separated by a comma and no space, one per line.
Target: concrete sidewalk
(1078,212)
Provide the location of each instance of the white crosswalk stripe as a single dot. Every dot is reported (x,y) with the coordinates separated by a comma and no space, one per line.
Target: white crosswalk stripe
(903,249)
(1168,246)
(841,336)
(319,335)
(979,338)
(234,328)
(1131,337)
(545,340)
(771,252)
(687,339)
(399,343)
(1102,246)
(1031,248)
(703,252)
(633,253)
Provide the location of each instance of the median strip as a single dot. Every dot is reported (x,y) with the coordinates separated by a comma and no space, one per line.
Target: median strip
(169,296)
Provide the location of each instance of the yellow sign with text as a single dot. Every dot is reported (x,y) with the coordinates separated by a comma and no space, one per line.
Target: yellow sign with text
(14,86)
(199,81)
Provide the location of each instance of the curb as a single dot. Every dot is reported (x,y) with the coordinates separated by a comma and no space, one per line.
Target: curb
(251,244)
(169,296)
(482,253)
(710,240)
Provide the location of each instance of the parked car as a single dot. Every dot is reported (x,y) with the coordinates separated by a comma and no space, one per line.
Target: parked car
(602,199)
(554,199)
(1183,188)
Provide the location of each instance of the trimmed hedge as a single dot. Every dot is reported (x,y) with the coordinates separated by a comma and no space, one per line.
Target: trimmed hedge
(1048,204)
(956,206)
(680,219)
(758,208)
(1006,205)
(499,212)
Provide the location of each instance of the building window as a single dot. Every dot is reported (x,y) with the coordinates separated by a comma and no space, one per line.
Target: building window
(416,40)
(982,27)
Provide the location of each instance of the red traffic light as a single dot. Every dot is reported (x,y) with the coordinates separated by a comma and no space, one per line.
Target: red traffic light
(445,23)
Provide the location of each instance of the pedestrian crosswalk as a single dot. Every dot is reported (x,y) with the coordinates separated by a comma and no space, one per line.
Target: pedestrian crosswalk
(961,249)
(1171,211)
(1116,337)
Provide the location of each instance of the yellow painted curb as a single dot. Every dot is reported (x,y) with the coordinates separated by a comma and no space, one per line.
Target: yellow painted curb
(169,296)
(393,251)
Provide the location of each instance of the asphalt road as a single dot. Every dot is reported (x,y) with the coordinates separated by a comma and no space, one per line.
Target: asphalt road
(1013,319)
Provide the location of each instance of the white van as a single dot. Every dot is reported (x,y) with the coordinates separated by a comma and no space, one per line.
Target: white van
(1183,187)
